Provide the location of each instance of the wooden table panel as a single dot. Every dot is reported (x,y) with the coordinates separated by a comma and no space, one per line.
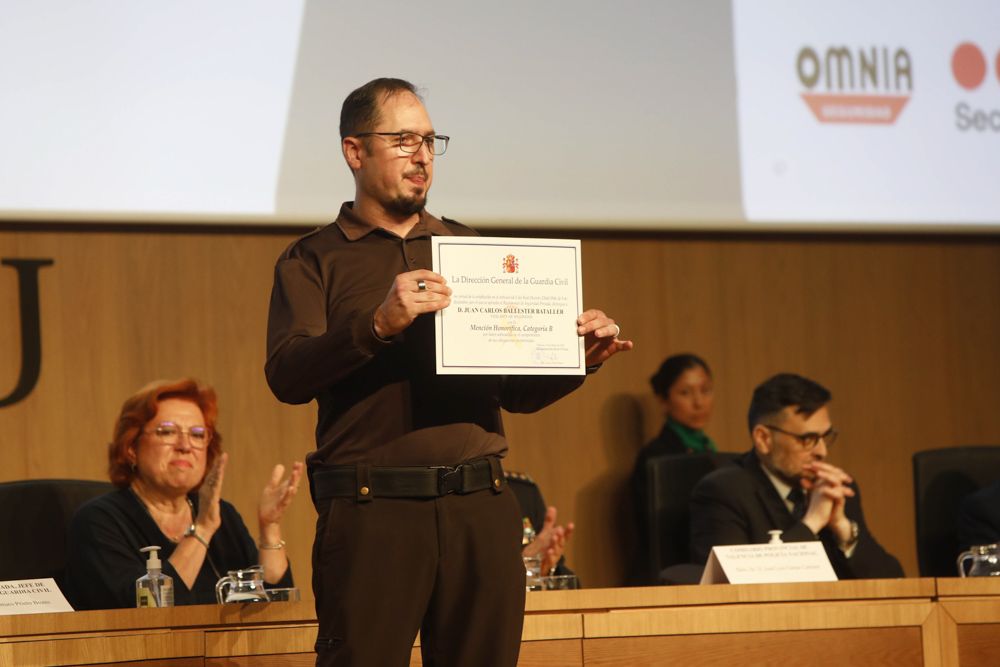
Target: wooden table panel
(260,641)
(157,645)
(658,596)
(555,653)
(879,647)
(552,626)
(973,609)
(840,621)
(971,621)
(755,618)
(958,586)
(979,645)
(278,660)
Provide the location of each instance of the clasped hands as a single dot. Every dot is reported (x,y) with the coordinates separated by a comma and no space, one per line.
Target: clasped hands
(828,489)
(417,292)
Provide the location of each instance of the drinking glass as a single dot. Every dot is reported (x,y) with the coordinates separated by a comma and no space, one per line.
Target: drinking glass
(283,594)
(533,572)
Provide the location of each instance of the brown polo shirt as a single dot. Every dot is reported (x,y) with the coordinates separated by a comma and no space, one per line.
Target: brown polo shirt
(381,402)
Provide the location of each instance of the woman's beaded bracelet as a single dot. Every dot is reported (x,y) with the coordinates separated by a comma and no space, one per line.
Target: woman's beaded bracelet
(279,545)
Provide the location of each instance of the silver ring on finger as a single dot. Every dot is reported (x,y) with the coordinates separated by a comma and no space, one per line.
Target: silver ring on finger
(421,286)
(618,331)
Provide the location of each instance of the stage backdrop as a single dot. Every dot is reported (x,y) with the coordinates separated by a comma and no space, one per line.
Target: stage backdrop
(904,332)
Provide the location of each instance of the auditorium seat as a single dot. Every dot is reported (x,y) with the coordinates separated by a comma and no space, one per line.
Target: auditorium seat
(670,479)
(34,516)
(941,478)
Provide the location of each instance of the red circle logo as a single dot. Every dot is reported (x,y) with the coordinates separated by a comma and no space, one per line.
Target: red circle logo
(968,65)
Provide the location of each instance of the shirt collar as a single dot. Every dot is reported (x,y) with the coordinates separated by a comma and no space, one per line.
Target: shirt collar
(781,487)
(355,227)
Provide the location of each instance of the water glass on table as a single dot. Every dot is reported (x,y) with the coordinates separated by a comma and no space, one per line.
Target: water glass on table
(283,594)
(532,573)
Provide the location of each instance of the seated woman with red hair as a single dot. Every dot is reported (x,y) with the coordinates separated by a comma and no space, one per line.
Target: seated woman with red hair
(166,460)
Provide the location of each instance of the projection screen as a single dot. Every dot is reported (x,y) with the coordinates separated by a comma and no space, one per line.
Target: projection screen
(746,115)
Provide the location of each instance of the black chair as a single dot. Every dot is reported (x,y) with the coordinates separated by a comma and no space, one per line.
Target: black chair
(34,515)
(941,478)
(670,479)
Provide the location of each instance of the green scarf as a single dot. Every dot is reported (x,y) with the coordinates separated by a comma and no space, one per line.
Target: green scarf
(695,441)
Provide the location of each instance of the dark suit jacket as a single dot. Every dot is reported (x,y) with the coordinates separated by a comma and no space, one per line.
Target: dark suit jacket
(738,504)
(979,517)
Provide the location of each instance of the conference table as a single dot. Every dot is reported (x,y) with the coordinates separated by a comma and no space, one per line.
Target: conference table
(877,622)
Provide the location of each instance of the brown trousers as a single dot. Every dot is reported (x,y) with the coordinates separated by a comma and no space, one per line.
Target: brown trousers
(449,567)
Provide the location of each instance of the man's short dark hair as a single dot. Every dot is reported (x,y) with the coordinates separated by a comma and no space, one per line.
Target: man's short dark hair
(671,370)
(784,390)
(360,111)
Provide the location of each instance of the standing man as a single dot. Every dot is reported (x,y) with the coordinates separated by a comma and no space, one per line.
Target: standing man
(784,483)
(417,529)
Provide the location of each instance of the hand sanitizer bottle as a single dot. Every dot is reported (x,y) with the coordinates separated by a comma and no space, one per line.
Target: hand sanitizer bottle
(154,589)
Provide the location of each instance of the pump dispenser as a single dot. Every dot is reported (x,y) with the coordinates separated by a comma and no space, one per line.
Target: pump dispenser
(154,589)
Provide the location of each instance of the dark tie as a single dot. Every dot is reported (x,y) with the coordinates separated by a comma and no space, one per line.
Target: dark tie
(798,499)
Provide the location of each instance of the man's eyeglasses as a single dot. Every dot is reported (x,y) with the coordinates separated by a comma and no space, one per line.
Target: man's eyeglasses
(809,440)
(410,142)
(170,433)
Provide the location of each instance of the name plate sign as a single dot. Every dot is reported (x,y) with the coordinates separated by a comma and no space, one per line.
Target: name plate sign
(31,596)
(784,563)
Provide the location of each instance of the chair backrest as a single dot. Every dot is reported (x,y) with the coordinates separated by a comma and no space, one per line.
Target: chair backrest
(941,478)
(670,479)
(34,517)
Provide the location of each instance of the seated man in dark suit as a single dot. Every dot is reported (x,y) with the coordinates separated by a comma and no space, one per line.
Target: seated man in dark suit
(785,483)
(979,517)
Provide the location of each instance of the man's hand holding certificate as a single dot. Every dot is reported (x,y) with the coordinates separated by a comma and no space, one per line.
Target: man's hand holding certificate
(516,309)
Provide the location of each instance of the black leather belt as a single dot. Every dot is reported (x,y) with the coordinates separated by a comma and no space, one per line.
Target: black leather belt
(365,482)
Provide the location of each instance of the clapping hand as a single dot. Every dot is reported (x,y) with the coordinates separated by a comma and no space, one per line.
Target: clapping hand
(209,516)
(550,542)
(278,493)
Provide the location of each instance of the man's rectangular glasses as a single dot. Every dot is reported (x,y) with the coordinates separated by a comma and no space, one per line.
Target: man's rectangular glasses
(410,142)
(811,439)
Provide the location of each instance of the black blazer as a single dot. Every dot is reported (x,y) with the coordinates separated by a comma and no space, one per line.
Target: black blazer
(979,517)
(738,504)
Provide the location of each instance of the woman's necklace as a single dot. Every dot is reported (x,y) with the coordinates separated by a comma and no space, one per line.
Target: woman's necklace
(145,506)
(176,540)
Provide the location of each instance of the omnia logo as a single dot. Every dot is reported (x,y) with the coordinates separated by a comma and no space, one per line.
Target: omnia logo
(863,85)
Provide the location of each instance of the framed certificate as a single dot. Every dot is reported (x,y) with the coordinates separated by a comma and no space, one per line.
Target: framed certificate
(513,307)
